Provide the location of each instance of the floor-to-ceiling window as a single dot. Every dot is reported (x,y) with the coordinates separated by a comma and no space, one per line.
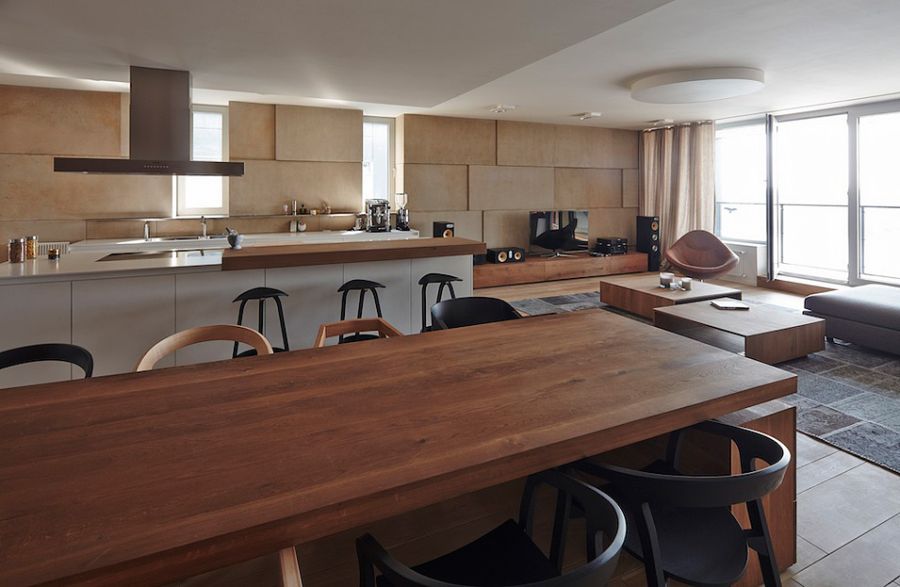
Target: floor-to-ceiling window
(835,202)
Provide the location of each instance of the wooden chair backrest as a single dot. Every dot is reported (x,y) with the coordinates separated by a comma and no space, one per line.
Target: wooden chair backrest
(332,329)
(179,340)
(290,568)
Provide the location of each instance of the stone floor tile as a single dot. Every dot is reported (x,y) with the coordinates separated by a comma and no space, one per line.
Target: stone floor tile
(809,449)
(824,469)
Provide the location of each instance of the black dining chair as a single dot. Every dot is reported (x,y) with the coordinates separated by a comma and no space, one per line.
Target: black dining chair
(682,526)
(459,312)
(64,352)
(507,555)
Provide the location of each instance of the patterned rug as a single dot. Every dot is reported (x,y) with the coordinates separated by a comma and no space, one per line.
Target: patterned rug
(847,395)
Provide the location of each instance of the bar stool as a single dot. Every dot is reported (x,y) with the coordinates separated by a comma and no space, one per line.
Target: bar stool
(444,280)
(362,286)
(261,294)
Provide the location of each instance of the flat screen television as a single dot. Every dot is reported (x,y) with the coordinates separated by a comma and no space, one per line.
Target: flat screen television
(565,237)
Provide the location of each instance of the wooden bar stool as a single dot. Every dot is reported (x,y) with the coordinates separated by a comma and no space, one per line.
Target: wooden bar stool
(179,340)
(362,286)
(344,327)
(444,280)
(261,294)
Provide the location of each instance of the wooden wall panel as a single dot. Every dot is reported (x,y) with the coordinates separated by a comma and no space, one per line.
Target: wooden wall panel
(436,187)
(588,188)
(510,188)
(468,223)
(441,139)
(525,143)
(306,133)
(46,230)
(29,189)
(612,222)
(46,121)
(251,131)
(602,148)
(630,188)
(506,228)
(267,185)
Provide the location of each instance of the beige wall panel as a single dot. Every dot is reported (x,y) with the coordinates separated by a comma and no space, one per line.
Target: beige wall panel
(441,139)
(604,148)
(267,185)
(612,222)
(468,224)
(436,187)
(588,188)
(46,230)
(525,143)
(251,131)
(30,189)
(506,228)
(399,149)
(630,188)
(48,121)
(306,133)
(510,188)
(102,229)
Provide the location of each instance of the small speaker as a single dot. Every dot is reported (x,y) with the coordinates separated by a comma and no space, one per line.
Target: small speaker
(648,240)
(506,255)
(443,229)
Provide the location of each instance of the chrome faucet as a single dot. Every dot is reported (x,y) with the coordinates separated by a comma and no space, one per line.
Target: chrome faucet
(146,230)
(203,226)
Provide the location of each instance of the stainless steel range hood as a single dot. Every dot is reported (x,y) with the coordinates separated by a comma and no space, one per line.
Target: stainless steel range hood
(159,132)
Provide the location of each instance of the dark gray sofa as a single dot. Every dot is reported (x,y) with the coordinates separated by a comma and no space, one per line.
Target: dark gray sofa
(868,315)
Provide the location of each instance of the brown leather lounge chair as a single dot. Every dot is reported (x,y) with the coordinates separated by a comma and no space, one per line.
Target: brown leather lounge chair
(701,255)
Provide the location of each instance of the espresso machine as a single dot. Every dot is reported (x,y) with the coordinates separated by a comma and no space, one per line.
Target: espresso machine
(378,215)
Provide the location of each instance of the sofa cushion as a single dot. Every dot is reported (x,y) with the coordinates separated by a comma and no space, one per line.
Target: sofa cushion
(878,305)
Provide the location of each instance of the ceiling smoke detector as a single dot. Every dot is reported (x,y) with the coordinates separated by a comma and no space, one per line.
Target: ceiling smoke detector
(588,115)
(502,108)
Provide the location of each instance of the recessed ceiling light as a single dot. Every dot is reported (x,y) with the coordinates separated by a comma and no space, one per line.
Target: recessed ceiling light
(687,86)
(588,115)
(501,108)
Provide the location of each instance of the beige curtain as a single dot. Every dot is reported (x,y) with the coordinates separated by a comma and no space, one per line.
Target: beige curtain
(678,179)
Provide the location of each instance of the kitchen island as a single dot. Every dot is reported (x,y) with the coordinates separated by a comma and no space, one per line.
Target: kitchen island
(145,478)
(117,303)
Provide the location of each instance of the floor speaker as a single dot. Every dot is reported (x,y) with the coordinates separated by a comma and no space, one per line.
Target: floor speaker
(648,240)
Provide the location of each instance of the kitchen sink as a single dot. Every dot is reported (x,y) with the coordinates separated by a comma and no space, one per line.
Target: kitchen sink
(191,238)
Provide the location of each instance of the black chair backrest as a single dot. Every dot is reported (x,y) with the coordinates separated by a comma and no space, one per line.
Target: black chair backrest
(469,312)
(705,491)
(604,519)
(67,353)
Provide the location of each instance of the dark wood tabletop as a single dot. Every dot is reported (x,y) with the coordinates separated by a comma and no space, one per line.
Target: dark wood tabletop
(143,478)
(264,257)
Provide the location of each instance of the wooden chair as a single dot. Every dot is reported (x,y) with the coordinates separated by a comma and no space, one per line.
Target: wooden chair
(179,340)
(273,570)
(345,327)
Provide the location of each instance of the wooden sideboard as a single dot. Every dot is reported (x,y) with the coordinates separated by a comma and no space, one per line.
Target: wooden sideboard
(537,269)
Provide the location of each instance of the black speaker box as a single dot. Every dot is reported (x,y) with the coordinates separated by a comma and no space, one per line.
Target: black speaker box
(443,229)
(506,255)
(648,240)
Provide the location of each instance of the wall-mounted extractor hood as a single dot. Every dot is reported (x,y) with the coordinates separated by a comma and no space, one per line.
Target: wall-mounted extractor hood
(159,131)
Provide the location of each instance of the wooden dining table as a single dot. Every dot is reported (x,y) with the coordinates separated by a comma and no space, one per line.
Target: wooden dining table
(148,477)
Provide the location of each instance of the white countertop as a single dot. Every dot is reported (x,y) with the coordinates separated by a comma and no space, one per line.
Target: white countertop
(84,260)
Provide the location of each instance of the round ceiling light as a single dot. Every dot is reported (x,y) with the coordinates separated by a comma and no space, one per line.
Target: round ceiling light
(687,86)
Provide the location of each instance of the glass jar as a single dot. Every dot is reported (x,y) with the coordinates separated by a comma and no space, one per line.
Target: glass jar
(17,250)
(31,246)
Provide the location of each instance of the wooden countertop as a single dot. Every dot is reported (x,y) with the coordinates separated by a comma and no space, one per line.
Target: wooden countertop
(336,253)
(147,477)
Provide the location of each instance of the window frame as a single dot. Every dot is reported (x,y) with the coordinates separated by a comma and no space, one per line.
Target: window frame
(392,168)
(182,210)
(756,120)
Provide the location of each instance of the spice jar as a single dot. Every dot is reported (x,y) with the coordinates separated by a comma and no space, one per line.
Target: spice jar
(17,250)
(53,254)
(31,245)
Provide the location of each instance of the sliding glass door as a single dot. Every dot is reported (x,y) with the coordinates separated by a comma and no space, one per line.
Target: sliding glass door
(879,196)
(811,196)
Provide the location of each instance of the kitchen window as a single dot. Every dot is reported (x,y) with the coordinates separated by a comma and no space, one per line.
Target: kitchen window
(197,195)
(378,161)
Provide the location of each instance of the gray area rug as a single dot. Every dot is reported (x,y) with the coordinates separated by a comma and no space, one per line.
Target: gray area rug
(847,395)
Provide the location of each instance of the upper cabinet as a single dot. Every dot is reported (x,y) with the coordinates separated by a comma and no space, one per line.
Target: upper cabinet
(445,140)
(304,133)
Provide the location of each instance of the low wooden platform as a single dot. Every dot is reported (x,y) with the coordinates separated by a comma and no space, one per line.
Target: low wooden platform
(538,269)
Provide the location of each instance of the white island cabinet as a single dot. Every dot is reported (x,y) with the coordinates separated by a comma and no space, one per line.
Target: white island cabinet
(119,308)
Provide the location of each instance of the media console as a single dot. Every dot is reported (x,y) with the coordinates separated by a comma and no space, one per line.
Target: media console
(537,269)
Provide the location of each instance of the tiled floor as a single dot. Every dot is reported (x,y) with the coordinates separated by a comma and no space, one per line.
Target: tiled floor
(848,511)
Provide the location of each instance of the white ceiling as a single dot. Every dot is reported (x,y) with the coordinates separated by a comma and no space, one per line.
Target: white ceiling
(551,58)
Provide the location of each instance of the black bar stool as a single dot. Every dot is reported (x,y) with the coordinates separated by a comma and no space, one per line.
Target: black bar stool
(362,286)
(261,294)
(445,281)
